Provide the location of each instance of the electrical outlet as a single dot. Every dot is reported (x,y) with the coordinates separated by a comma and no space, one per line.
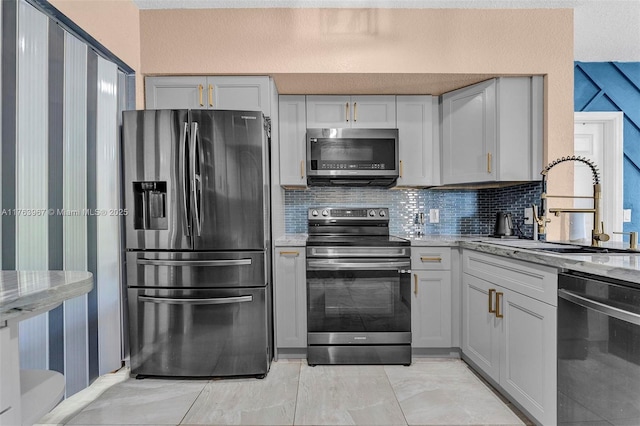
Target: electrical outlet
(626,215)
(434,216)
(528,216)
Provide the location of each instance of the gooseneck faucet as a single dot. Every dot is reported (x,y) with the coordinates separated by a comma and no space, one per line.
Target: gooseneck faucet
(597,233)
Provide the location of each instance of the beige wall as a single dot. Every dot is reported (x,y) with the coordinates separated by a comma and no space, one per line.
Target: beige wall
(295,42)
(115,24)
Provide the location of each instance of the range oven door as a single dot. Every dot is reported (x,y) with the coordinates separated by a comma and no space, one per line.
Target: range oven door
(358,301)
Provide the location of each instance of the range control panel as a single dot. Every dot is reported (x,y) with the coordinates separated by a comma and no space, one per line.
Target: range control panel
(360,213)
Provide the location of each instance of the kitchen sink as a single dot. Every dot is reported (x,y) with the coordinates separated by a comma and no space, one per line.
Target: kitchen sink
(583,250)
(562,248)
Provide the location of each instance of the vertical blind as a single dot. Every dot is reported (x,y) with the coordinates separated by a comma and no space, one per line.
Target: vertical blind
(60,168)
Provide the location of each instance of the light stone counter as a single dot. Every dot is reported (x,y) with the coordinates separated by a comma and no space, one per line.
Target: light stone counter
(22,292)
(26,395)
(442,240)
(292,240)
(621,266)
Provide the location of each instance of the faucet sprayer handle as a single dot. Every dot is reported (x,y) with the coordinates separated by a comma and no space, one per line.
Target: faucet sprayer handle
(600,234)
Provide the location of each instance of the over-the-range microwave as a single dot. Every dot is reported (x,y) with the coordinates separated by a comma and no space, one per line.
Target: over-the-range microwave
(352,157)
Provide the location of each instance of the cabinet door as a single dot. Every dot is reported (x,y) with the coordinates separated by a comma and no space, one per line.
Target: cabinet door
(292,141)
(373,112)
(469,134)
(419,153)
(431,309)
(520,127)
(175,92)
(328,112)
(528,354)
(480,338)
(243,93)
(291,298)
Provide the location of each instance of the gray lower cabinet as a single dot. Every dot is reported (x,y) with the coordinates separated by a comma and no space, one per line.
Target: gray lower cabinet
(290,300)
(251,93)
(431,297)
(511,337)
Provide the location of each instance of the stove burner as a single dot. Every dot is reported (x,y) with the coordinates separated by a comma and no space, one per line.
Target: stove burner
(362,226)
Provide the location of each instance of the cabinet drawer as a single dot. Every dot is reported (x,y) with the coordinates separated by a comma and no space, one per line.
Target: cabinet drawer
(530,279)
(430,258)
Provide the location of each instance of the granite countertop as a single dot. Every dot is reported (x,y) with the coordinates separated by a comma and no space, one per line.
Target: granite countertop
(292,240)
(623,266)
(23,292)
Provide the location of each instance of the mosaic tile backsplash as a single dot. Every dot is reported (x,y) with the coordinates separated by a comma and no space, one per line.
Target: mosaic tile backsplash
(461,211)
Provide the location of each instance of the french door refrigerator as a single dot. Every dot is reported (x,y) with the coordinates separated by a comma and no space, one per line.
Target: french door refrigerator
(196,185)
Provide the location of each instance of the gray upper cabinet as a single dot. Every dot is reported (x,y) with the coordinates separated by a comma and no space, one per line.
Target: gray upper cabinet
(249,93)
(366,112)
(419,144)
(492,131)
(293,131)
(175,92)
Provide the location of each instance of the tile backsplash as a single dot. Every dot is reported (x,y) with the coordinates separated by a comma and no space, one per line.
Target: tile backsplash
(462,211)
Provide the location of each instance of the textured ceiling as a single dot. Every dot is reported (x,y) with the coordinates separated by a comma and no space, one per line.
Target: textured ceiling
(604,30)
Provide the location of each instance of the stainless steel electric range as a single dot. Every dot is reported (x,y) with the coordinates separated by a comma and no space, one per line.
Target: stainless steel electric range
(358,288)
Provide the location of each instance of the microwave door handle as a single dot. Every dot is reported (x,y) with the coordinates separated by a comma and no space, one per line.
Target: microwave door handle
(599,307)
(184,181)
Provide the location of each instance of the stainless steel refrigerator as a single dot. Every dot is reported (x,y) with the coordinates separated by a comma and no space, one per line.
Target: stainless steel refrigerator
(198,266)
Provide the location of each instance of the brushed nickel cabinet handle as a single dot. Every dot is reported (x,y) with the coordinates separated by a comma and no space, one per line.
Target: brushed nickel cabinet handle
(488,162)
(415,284)
(347,111)
(498,308)
(400,168)
(211,95)
(430,259)
(200,94)
(355,111)
(492,310)
(301,169)
(290,253)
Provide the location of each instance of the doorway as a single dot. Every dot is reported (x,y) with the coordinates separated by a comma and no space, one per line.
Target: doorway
(598,137)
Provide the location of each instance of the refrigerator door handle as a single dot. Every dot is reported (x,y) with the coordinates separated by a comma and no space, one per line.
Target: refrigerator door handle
(183,175)
(225,262)
(195,176)
(195,301)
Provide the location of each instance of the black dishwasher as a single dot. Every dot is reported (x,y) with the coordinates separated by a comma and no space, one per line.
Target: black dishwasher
(598,350)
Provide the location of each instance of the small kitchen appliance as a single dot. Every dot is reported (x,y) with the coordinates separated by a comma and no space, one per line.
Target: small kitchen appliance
(352,157)
(358,288)
(503,226)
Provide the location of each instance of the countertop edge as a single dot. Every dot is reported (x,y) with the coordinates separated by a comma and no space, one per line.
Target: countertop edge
(47,298)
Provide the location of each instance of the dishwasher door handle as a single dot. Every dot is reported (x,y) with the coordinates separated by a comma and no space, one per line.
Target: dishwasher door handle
(195,301)
(600,307)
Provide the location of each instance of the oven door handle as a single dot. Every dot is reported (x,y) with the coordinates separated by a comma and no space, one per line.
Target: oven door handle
(607,310)
(332,265)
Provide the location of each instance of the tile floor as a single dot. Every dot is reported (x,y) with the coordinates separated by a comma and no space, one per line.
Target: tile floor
(429,392)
